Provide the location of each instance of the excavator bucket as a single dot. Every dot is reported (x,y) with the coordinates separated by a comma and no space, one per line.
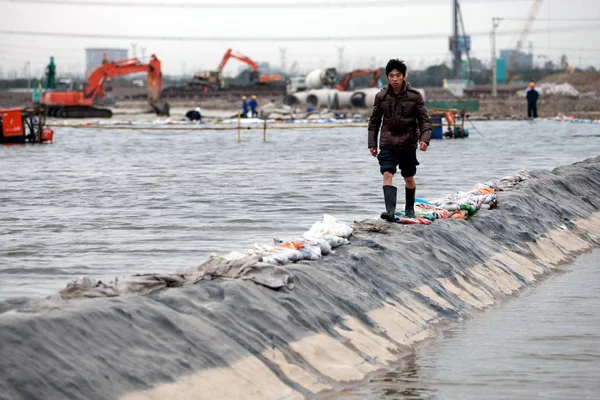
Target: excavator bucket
(161,108)
(154,80)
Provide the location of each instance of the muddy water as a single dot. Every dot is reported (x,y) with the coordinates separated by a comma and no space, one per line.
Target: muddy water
(106,203)
(545,344)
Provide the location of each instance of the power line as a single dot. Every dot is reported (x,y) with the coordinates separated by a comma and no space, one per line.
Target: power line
(36,52)
(45,48)
(324,4)
(567,49)
(282,38)
(555,19)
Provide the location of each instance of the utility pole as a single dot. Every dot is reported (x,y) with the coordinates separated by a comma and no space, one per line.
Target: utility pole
(283,62)
(26,73)
(495,23)
(457,60)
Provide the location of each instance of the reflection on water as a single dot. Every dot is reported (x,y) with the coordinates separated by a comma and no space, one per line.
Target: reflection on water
(544,344)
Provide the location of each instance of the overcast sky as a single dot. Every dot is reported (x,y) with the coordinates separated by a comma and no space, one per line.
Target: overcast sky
(416,17)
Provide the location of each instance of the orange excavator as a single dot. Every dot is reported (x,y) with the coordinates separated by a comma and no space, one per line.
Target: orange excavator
(345,83)
(79,104)
(216,76)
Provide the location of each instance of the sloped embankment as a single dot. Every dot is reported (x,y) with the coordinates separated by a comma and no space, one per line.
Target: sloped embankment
(347,315)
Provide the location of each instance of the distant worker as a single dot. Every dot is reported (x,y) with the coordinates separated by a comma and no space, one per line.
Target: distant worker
(51,75)
(245,107)
(406,126)
(253,106)
(194,115)
(532,98)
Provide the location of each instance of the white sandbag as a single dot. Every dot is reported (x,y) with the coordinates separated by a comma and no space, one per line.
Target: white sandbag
(335,241)
(285,256)
(325,248)
(329,226)
(311,253)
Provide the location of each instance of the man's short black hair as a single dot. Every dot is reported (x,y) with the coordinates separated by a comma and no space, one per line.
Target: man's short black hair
(393,64)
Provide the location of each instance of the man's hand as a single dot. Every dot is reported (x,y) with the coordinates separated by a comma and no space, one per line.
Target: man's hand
(423,146)
(373,151)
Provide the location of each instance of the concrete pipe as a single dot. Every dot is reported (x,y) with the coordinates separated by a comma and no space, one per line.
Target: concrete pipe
(343,99)
(295,99)
(322,97)
(364,98)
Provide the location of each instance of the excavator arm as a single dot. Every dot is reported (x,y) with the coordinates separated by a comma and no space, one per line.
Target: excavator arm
(376,75)
(95,82)
(216,76)
(238,56)
(345,83)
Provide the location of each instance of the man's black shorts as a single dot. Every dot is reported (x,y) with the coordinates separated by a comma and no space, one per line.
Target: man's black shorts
(404,159)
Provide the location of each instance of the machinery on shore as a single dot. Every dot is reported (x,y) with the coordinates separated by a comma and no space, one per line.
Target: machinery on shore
(28,125)
(80,103)
(347,79)
(215,80)
(321,78)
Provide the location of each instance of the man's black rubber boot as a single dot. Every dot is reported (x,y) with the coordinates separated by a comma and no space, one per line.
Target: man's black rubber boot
(409,210)
(389,194)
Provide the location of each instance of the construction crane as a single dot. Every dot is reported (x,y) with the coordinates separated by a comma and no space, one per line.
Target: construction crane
(79,104)
(528,24)
(345,83)
(464,32)
(215,77)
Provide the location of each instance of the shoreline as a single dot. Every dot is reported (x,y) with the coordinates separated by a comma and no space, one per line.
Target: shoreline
(512,108)
(347,316)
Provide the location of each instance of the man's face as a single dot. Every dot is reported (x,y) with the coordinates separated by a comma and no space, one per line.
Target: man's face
(396,79)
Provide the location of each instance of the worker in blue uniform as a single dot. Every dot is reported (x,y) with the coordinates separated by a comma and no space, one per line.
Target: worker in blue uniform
(253,107)
(245,107)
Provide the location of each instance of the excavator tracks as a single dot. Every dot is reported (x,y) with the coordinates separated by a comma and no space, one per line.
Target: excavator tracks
(77,112)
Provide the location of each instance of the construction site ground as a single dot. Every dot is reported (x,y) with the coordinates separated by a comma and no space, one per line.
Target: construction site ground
(130,101)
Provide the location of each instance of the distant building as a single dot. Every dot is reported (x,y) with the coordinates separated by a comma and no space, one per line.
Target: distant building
(523,61)
(93,57)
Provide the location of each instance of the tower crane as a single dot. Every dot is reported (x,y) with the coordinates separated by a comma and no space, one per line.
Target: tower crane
(528,24)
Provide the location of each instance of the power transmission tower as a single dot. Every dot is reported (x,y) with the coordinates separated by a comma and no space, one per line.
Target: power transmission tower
(495,23)
(340,50)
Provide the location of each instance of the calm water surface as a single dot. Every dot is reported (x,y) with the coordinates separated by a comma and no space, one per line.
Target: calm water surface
(116,202)
(544,344)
